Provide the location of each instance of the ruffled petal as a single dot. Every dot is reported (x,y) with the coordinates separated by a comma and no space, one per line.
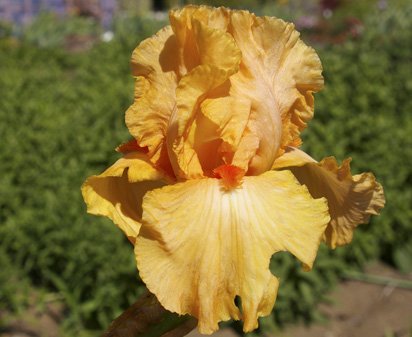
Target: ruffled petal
(154,65)
(292,157)
(131,146)
(278,75)
(258,66)
(117,193)
(351,199)
(213,133)
(202,245)
(218,59)
(194,47)
(183,126)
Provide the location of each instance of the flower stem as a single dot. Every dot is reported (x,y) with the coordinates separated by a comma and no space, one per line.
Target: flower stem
(147,318)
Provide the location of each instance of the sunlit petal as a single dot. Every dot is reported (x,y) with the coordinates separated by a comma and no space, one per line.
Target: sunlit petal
(258,66)
(292,157)
(218,58)
(192,45)
(182,131)
(351,199)
(117,193)
(278,75)
(202,245)
(154,65)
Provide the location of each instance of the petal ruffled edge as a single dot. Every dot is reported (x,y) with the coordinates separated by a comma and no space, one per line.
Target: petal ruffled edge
(117,193)
(218,59)
(279,74)
(154,65)
(351,199)
(201,245)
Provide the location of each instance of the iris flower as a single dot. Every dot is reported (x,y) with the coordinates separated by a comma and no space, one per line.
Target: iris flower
(213,182)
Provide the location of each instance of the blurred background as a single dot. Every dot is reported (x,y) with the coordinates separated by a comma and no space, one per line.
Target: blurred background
(65,84)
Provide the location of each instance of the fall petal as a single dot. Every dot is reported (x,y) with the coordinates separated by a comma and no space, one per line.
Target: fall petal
(351,199)
(202,245)
(117,193)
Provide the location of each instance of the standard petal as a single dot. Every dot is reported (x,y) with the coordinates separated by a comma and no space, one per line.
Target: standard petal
(117,193)
(202,245)
(292,157)
(351,199)
(154,65)
(217,59)
(200,46)
(278,75)
(185,124)
(181,135)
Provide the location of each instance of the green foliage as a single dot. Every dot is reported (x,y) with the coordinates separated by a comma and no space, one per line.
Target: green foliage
(6,30)
(62,114)
(50,30)
(129,25)
(362,113)
(61,117)
(259,7)
(14,284)
(239,4)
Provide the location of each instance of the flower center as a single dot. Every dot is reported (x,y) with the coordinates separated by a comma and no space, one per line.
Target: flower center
(230,175)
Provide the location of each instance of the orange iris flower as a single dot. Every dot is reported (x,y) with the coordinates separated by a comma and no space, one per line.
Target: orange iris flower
(213,183)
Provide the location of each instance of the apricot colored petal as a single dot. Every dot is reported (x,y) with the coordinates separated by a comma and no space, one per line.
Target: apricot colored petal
(202,245)
(189,93)
(292,157)
(216,47)
(229,115)
(278,74)
(117,193)
(223,125)
(217,59)
(216,18)
(131,146)
(154,66)
(192,89)
(198,46)
(351,199)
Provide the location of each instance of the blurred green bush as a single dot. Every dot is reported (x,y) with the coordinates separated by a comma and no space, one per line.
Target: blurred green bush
(363,113)
(62,115)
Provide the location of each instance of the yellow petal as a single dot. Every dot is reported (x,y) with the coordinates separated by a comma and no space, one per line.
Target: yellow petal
(278,74)
(182,132)
(258,64)
(218,59)
(202,245)
(154,63)
(117,193)
(351,199)
(198,45)
(219,129)
(292,157)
